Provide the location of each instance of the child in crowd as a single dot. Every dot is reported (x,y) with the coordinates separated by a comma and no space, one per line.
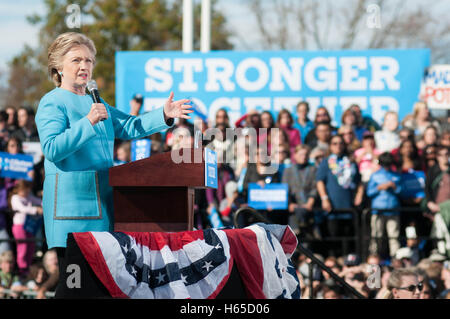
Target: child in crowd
(9,280)
(24,203)
(383,189)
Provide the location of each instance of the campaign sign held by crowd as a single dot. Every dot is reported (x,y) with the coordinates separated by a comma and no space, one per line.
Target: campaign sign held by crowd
(16,166)
(376,80)
(274,196)
(435,89)
(140,149)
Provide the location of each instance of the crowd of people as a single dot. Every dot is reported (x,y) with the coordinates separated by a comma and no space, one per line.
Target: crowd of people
(397,171)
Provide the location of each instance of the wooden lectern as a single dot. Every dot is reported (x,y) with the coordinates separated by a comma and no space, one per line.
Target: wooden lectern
(156,194)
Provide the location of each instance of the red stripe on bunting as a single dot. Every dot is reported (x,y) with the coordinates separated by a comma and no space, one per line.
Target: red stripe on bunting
(289,241)
(157,240)
(245,252)
(93,255)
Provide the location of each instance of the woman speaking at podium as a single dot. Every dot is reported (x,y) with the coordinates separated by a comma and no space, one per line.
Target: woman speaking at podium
(77,139)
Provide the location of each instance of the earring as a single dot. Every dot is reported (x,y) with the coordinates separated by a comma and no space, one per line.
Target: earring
(60,73)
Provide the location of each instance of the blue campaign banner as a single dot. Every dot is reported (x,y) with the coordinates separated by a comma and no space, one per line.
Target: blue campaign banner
(16,166)
(413,184)
(377,80)
(274,196)
(210,168)
(140,149)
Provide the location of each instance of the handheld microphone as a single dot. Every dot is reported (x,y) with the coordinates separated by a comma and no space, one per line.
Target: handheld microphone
(93,89)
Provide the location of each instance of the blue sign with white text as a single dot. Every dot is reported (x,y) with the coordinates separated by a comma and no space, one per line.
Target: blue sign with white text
(140,149)
(377,80)
(210,168)
(274,196)
(16,166)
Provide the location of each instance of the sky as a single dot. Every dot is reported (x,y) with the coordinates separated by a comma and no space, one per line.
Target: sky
(14,28)
(16,31)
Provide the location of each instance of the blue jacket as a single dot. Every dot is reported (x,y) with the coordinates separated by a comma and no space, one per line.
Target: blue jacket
(384,199)
(77,196)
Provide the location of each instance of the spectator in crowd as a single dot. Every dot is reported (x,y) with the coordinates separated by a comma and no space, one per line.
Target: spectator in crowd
(179,123)
(260,172)
(351,142)
(123,153)
(250,120)
(429,156)
(279,140)
(427,291)
(421,119)
(230,204)
(23,203)
(430,137)
(339,187)
(12,119)
(405,134)
(4,132)
(364,121)
(303,124)
(387,138)
(8,278)
(157,143)
(322,115)
(317,155)
(36,276)
(136,104)
(14,146)
(267,122)
(367,156)
(404,257)
(349,118)
(222,144)
(408,157)
(383,292)
(300,178)
(438,181)
(332,292)
(445,138)
(404,284)
(51,265)
(437,196)
(4,216)
(383,189)
(285,122)
(322,134)
(331,262)
(26,130)
(445,277)
(182,137)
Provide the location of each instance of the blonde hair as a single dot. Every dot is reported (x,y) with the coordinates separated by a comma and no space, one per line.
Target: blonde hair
(59,48)
(417,106)
(7,256)
(396,278)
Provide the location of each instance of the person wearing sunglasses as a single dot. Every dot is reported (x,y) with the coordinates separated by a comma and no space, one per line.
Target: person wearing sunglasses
(340,189)
(404,283)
